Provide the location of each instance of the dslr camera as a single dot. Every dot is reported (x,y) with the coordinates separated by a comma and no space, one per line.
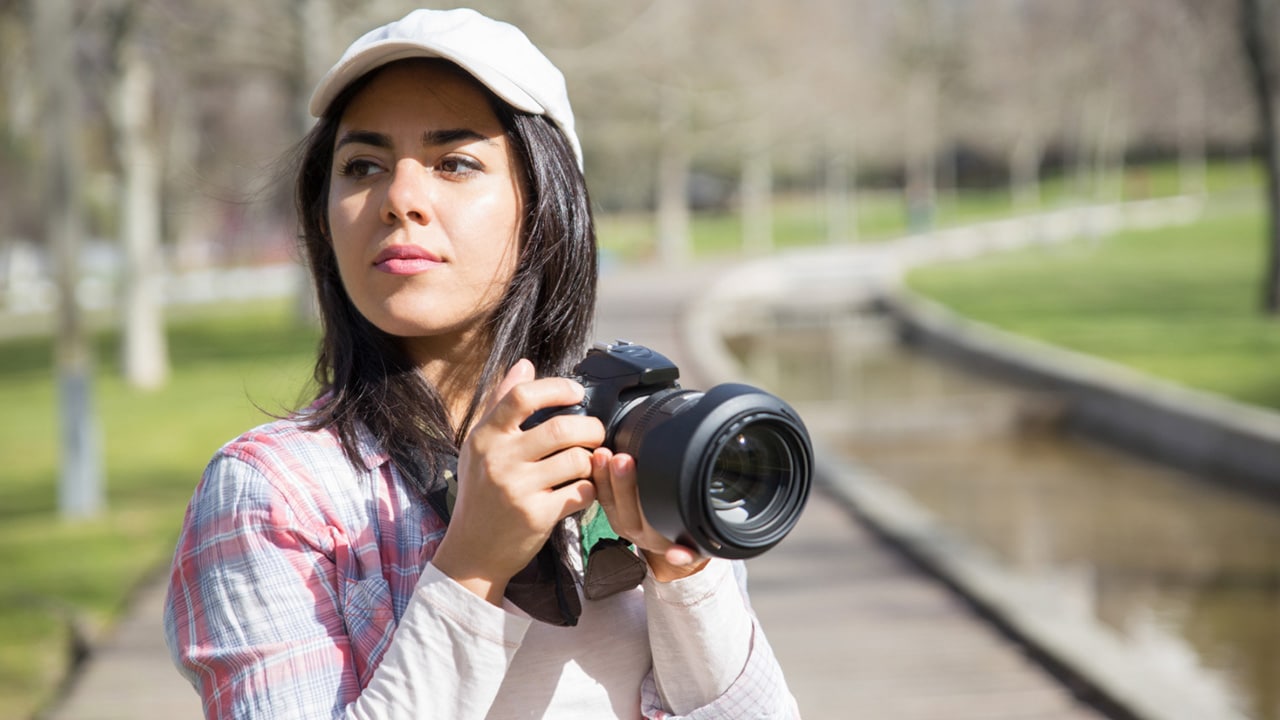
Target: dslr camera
(726,471)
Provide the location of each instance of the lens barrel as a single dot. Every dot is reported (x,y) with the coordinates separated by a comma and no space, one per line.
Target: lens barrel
(727,471)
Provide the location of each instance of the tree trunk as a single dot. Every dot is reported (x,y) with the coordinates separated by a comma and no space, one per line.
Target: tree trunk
(1255,22)
(315,23)
(1024,172)
(921,147)
(1191,114)
(757,190)
(842,225)
(673,178)
(1082,150)
(80,483)
(145,353)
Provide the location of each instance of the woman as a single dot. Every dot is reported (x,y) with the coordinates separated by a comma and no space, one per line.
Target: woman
(402,548)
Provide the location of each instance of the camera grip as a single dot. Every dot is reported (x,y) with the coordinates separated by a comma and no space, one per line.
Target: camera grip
(546,414)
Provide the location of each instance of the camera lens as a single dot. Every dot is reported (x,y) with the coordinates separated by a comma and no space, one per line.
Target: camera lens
(752,467)
(726,471)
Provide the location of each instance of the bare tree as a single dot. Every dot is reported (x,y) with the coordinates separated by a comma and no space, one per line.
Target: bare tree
(144,349)
(674,133)
(1259,23)
(925,48)
(80,489)
(1190,29)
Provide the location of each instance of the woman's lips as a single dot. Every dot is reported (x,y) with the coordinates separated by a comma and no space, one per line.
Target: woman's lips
(405,260)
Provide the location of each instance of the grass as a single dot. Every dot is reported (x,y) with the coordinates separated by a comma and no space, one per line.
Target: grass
(800,220)
(1177,303)
(154,446)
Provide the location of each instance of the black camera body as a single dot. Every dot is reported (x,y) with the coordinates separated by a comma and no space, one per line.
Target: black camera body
(727,471)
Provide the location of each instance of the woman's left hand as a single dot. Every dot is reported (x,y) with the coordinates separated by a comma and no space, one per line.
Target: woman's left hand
(616,490)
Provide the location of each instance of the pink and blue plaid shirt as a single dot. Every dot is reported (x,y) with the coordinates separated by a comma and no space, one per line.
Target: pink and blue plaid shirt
(293,570)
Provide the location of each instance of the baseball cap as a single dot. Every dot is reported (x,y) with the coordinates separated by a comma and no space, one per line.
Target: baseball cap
(495,53)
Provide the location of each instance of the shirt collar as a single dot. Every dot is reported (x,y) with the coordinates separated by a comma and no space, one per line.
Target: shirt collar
(371,452)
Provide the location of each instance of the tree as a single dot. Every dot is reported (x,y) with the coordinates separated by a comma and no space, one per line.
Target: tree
(1259,23)
(144,348)
(80,489)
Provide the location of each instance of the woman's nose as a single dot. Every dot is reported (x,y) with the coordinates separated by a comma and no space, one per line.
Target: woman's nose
(408,195)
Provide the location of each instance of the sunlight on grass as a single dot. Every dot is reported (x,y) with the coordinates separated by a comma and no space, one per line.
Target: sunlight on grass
(1179,303)
(154,446)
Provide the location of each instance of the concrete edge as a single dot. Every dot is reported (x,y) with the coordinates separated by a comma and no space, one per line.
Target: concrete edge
(1089,657)
(1190,429)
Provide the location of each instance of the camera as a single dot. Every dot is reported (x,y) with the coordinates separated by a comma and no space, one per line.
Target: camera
(726,471)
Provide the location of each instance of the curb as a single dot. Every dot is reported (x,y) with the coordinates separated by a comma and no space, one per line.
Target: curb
(1087,655)
(1191,429)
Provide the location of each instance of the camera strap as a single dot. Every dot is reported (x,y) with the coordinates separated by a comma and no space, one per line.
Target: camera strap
(545,588)
(612,564)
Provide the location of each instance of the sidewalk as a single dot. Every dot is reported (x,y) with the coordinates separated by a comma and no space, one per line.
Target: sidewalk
(860,631)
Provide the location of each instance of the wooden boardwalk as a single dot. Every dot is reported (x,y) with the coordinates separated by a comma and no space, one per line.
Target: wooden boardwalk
(861,632)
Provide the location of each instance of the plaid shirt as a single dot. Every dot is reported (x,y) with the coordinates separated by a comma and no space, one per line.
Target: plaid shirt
(293,571)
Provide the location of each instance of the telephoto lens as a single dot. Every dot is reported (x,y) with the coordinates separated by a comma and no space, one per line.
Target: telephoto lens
(726,471)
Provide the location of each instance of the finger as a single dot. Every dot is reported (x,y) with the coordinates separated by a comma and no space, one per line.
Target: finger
(564,468)
(526,398)
(624,508)
(681,556)
(575,497)
(523,371)
(600,476)
(563,432)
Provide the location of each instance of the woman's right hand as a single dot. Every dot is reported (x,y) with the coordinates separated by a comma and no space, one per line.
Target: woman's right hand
(515,486)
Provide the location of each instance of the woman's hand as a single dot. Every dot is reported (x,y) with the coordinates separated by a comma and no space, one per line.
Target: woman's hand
(515,486)
(615,481)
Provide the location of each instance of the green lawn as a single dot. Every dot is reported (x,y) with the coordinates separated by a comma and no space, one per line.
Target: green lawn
(881,214)
(154,447)
(1179,303)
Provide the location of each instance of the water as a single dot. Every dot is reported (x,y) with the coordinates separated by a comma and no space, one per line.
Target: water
(1184,569)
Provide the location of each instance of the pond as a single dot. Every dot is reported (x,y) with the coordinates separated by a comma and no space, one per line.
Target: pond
(1183,568)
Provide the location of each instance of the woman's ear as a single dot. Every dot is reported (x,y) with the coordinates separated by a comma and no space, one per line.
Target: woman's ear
(323,224)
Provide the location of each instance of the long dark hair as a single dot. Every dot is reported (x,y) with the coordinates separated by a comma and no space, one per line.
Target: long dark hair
(365,376)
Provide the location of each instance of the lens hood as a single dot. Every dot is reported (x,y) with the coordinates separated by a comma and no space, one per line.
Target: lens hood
(727,471)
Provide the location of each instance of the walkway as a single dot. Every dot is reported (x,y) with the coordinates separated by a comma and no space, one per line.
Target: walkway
(861,632)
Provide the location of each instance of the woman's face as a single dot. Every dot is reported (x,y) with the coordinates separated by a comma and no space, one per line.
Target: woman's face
(424,206)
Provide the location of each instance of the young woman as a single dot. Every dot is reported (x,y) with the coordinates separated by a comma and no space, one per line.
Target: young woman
(402,547)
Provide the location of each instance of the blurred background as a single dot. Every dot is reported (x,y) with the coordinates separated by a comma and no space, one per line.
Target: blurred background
(145,147)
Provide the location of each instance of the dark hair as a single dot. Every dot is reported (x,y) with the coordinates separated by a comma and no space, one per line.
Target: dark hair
(366,377)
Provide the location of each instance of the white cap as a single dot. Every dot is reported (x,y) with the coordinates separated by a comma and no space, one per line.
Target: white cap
(496,53)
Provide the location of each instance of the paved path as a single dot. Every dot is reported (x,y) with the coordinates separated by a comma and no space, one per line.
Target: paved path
(861,633)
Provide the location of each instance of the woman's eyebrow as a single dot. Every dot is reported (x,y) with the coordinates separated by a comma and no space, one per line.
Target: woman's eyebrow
(363,137)
(430,138)
(454,136)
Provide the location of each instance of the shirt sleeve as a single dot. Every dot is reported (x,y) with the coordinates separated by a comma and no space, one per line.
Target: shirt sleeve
(711,660)
(254,619)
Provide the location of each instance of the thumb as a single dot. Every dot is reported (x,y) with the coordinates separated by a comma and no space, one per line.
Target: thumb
(521,372)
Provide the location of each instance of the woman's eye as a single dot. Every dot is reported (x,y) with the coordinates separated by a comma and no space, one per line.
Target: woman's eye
(455,165)
(359,168)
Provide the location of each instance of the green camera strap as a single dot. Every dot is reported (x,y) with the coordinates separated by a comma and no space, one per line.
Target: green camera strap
(612,564)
